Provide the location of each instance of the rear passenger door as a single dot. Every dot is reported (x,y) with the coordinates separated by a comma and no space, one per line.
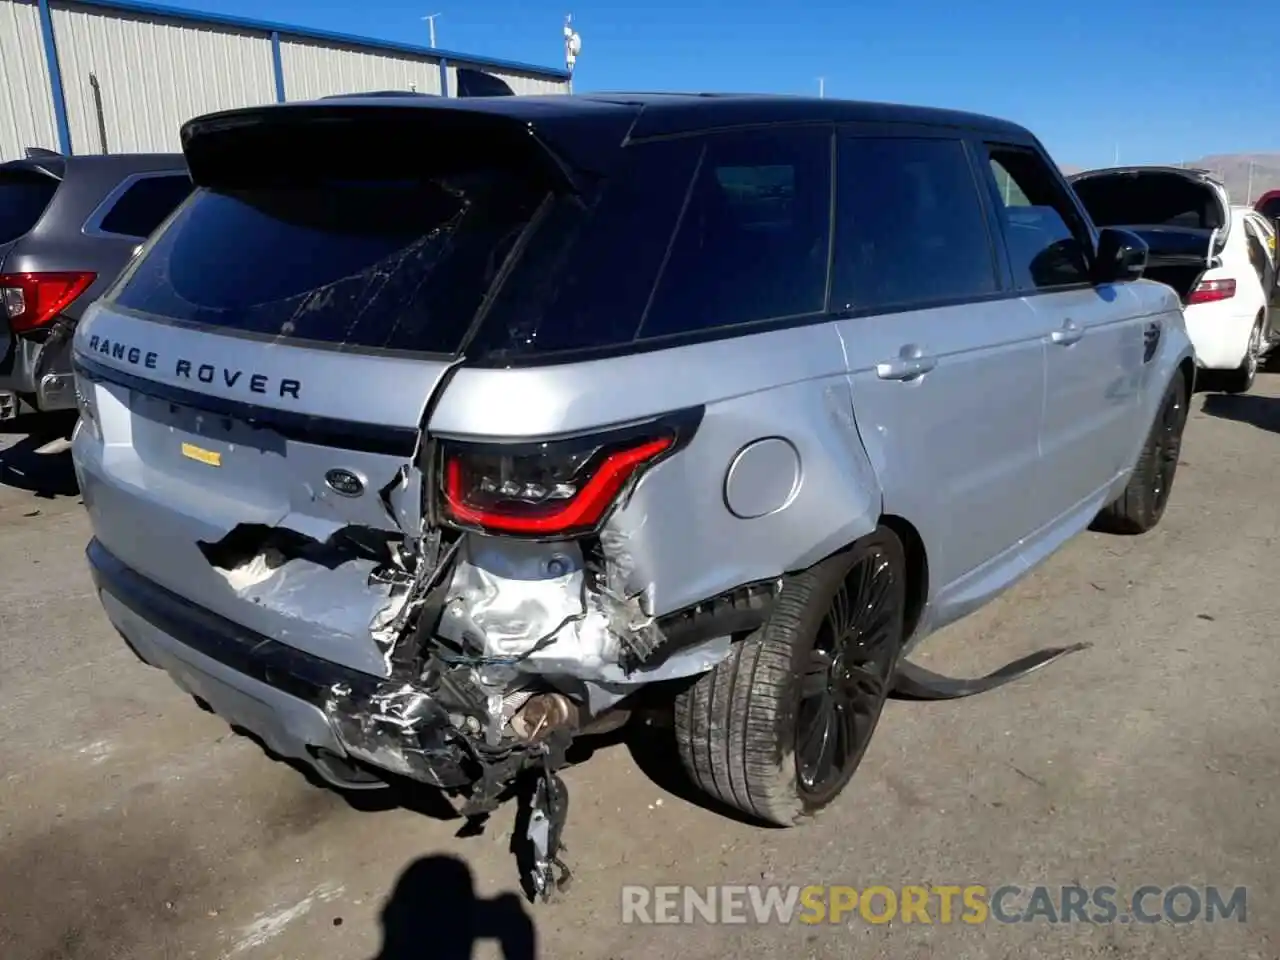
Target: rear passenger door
(947,367)
(1093,337)
(1262,255)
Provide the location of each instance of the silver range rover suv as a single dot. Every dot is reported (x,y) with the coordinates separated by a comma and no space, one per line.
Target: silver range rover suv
(427,434)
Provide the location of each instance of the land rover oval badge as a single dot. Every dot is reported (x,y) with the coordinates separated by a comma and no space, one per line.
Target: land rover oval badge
(344,482)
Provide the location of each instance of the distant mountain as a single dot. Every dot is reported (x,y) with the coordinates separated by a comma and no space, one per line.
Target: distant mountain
(1233,168)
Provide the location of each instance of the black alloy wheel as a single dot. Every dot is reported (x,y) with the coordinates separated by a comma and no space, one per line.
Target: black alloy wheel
(848,677)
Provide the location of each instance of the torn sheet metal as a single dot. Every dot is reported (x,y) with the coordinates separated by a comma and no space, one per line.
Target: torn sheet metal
(400,728)
(536,608)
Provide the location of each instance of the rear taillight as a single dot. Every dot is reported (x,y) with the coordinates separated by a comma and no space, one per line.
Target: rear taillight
(31,300)
(560,488)
(1211,291)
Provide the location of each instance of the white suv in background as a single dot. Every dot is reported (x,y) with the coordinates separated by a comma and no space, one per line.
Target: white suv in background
(1219,257)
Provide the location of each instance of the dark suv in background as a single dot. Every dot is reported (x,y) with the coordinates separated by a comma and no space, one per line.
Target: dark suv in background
(68,226)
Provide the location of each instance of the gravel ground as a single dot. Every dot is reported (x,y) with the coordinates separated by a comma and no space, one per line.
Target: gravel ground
(132,824)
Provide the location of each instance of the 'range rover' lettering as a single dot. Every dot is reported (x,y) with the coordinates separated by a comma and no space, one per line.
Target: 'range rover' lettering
(188,369)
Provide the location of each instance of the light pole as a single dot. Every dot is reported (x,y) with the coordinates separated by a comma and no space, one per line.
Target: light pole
(572,47)
(431,26)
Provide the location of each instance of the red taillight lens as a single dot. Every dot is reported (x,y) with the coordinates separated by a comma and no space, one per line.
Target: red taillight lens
(1210,291)
(32,300)
(559,488)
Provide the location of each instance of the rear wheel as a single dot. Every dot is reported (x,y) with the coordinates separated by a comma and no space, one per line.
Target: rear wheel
(1142,504)
(1241,379)
(778,729)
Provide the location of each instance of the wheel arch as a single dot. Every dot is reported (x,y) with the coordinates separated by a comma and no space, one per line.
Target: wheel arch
(917,570)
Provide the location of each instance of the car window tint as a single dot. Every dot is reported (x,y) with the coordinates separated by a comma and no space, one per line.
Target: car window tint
(24,196)
(685,235)
(1271,208)
(383,264)
(1042,230)
(586,276)
(144,205)
(753,238)
(910,227)
(1257,252)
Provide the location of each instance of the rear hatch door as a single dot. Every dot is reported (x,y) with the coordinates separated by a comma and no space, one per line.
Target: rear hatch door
(259,375)
(26,190)
(1182,214)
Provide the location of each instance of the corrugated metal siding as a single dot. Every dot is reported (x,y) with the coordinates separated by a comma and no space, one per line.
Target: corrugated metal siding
(155,74)
(26,104)
(314,70)
(522,84)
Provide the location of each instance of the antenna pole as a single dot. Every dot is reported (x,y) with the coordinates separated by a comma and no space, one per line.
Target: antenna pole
(431,27)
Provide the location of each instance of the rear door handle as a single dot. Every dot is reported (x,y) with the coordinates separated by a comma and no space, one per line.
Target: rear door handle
(1070,332)
(905,367)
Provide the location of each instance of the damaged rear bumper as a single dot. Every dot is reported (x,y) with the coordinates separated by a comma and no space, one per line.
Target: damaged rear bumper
(280,694)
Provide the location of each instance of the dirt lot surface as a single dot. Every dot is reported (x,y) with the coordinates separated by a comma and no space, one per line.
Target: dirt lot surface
(132,824)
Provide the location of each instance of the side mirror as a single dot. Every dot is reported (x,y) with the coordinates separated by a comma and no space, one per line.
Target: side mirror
(1122,256)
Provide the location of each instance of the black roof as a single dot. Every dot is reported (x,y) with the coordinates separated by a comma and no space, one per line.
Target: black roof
(665,114)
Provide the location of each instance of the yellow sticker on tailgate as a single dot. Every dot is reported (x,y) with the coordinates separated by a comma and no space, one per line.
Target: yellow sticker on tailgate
(210,457)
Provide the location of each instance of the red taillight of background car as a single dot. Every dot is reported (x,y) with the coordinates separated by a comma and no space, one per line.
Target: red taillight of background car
(30,301)
(557,488)
(1211,291)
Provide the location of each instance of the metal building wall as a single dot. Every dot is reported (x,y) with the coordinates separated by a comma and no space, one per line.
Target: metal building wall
(26,104)
(522,84)
(152,68)
(313,69)
(154,74)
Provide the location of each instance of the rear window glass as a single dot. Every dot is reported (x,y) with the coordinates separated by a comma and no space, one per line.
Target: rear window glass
(145,204)
(398,265)
(689,235)
(1271,208)
(24,195)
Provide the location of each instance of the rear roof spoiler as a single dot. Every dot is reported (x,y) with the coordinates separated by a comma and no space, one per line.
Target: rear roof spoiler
(35,153)
(477,83)
(257,146)
(470,81)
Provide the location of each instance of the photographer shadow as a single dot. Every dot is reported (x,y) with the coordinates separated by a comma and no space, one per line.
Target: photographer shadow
(434,912)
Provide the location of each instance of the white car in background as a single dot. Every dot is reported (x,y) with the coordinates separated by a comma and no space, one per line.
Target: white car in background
(1220,258)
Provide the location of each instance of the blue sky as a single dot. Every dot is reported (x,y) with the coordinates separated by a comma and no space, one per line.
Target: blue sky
(1162,80)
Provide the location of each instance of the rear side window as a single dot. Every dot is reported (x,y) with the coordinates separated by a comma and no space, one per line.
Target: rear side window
(688,235)
(1046,239)
(381,264)
(910,227)
(144,205)
(1271,208)
(1257,249)
(24,196)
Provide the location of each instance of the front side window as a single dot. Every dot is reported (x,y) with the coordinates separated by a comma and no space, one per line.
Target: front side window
(1047,242)
(910,227)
